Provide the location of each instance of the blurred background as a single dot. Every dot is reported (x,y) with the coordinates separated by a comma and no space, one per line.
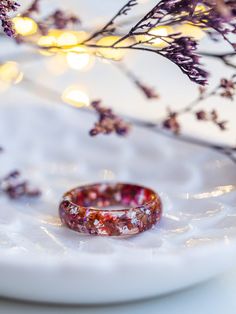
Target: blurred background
(30,75)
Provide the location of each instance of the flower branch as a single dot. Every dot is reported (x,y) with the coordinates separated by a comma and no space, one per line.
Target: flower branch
(225,89)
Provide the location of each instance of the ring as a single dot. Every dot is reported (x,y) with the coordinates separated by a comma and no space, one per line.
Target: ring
(97,209)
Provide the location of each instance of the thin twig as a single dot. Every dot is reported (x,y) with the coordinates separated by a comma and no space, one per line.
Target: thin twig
(221,57)
(101,31)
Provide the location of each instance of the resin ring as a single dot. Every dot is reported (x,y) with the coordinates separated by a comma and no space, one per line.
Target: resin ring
(97,209)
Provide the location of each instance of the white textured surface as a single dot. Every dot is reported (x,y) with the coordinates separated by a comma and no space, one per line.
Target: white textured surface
(214,297)
(195,240)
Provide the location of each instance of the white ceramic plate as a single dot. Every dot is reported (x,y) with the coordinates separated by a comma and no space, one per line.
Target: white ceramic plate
(42,260)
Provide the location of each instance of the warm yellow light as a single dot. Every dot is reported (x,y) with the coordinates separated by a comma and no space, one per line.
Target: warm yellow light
(10,73)
(55,32)
(81,35)
(59,38)
(160,31)
(24,26)
(75,97)
(157,31)
(191,31)
(78,58)
(110,53)
(67,39)
(46,53)
(47,41)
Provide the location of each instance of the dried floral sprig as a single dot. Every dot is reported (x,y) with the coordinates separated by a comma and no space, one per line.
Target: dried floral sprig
(179,49)
(15,187)
(212,116)
(209,15)
(182,51)
(7,7)
(108,122)
(201,13)
(171,122)
(58,20)
(225,89)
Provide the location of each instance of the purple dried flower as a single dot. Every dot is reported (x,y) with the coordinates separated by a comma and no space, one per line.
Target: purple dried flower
(228,88)
(211,116)
(58,20)
(108,122)
(217,14)
(215,17)
(171,122)
(148,91)
(201,115)
(6,7)
(14,187)
(182,52)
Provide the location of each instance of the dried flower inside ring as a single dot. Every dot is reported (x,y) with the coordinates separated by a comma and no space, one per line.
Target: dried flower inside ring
(80,209)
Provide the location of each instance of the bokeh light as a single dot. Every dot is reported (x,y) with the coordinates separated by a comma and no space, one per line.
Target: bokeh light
(79,59)
(25,26)
(157,31)
(110,53)
(62,38)
(47,41)
(10,73)
(76,97)
(191,31)
(66,38)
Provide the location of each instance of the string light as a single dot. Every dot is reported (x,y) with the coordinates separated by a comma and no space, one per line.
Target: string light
(24,26)
(47,41)
(10,73)
(110,53)
(190,30)
(61,38)
(79,59)
(156,31)
(160,31)
(66,39)
(75,97)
